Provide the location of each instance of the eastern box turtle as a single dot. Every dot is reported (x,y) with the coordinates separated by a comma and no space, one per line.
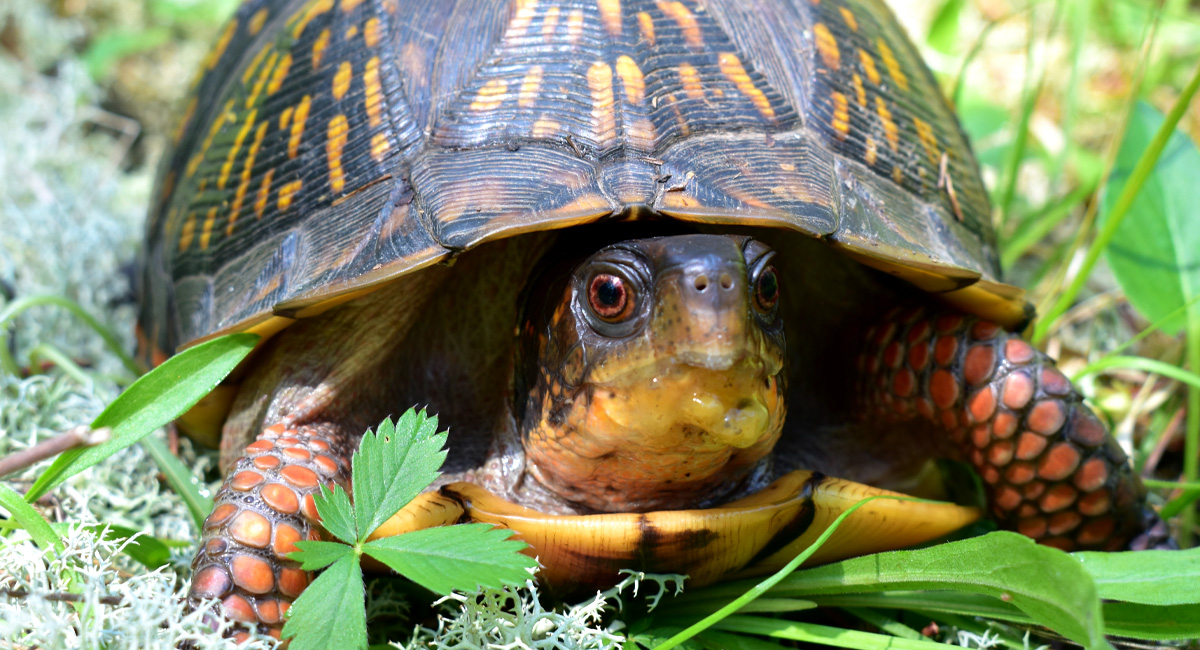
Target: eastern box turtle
(611,243)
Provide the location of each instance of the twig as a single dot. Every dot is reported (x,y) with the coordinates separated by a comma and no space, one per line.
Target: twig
(80,436)
(60,597)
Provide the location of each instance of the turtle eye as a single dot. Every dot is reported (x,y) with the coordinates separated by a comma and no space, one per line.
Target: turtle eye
(609,297)
(766,289)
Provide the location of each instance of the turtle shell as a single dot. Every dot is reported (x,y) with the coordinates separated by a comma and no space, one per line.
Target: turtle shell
(330,146)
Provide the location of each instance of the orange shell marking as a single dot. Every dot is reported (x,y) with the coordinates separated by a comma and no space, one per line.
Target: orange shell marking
(731,67)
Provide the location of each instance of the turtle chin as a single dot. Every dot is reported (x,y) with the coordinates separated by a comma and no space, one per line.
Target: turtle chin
(669,436)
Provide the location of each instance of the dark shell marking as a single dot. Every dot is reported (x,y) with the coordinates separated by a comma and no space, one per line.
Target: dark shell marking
(330,145)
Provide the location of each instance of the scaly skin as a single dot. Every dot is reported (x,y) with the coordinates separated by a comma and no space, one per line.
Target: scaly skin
(1050,468)
(263,508)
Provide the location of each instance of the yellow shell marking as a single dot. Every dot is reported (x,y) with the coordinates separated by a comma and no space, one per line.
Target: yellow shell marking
(544,128)
(732,68)
(257,21)
(610,16)
(335,142)
(315,8)
(380,146)
(604,125)
(860,93)
(374,92)
(206,232)
(530,86)
(188,113)
(252,98)
(575,26)
(690,80)
(285,117)
(928,140)
(371,32)
(255,62)
(226,114)
(279,74)
(319,47)
(686,21)
(188,232)
(286,192)
(521,19)
(631,79)
(868,66)
(889,127)
(848,16)
(350,5)
(892,64)
(264,192)
(550,23)
(827,46)
(840,121)
(227,168)
(218,50)
(646,27)
(872,151)
(490,96)
(247,171)
(298,119)
(351,32)
(341,80)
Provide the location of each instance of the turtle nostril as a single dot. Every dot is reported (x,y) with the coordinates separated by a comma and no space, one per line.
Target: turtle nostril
(701,282)
(726,281)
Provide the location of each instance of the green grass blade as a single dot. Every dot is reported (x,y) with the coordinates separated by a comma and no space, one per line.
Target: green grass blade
(13,309)
(180,478)
(155,399)
(822,634)
(1146,577)
(1139,363)
(29,519)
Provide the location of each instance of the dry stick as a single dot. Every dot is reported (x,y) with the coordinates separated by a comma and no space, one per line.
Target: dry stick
(80,436)
(60,597)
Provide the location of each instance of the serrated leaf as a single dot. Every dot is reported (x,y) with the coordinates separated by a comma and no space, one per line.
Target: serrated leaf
(1045,583)
(1148,577)
(1155,253)
(155,399)
(314,555)
(455,558)
(392,466)
(337,515)
(331,613)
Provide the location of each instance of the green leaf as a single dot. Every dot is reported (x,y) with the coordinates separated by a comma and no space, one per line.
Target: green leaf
(1148,577)
(314,555)
(337,515)
(943,33)
(393,465)
(331,613)
(450,558)
(822,634)
(108,48)
(155,399)
(1157,623)
(31,520)
(1155,253)
(1045,583)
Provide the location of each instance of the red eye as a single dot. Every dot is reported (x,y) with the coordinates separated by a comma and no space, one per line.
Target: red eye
(766,289)
(609,298)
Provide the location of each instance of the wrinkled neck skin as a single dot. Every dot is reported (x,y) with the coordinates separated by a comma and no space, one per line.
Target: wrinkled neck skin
(678,408)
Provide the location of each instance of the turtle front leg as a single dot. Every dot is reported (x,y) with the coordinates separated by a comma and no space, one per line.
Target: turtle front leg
(1051,470)
(263,508)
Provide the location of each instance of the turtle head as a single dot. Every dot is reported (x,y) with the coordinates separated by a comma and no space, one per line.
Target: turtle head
(659,373)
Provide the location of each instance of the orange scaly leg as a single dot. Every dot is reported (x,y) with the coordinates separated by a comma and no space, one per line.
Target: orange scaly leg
(1050,468)
(264,507)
